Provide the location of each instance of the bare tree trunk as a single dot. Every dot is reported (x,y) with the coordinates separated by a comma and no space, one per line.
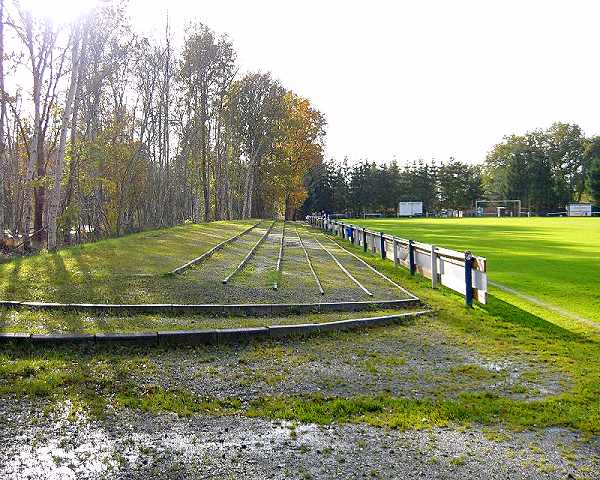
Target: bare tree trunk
(39,62)
(31,163)
(39,193)
(2,120)
(248,191)
(204,155)
(74,164)
(218,171)
(60,157)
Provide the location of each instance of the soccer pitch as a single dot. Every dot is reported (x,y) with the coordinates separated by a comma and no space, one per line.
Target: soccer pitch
(555,260)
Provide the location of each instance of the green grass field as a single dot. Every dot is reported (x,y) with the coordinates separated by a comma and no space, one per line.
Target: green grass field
(556,260)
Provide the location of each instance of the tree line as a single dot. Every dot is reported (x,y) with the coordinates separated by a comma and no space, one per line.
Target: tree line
(104,131)
(545,169)
(368,187)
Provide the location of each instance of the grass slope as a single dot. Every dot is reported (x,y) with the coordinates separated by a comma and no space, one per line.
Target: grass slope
(105,270)
(554,259)
(131,270)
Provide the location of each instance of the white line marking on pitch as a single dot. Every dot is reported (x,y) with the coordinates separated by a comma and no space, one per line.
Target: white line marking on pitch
(547,306)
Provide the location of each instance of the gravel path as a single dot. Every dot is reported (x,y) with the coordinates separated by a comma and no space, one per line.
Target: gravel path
(141,446)
(413,360)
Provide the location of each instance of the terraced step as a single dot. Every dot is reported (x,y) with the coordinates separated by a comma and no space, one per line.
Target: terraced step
(155,331)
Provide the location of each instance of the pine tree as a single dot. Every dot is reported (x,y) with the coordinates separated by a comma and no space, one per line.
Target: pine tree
(594,180)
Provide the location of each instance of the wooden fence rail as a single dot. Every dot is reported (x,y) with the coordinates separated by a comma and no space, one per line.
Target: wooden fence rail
(460,271)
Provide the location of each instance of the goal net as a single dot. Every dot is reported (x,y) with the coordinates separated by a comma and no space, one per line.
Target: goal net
(498,208)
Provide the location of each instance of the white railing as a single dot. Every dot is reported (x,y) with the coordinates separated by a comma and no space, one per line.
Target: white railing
(459,271)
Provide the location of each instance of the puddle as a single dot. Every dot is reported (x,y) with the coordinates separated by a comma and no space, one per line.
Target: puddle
(64,450)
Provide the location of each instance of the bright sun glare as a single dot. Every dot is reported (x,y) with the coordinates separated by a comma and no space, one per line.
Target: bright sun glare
(59,11)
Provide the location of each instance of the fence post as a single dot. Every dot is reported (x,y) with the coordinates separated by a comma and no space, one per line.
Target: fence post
(351,234)
(411,257)
(382,245)
(364,232)
(395,244)
(433,267)
(468,279)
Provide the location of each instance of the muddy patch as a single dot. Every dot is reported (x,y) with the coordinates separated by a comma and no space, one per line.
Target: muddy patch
(132,445)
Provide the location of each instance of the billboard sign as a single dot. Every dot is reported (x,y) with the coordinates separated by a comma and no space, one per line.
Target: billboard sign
(579,210)
(410,209)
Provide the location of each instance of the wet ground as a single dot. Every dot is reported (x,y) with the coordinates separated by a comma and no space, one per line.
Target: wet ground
(134,445)
(413,360)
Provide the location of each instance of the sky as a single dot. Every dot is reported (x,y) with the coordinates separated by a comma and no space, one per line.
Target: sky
(410,80)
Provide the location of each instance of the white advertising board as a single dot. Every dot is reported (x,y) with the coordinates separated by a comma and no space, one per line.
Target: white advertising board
(579,210)
(410,209)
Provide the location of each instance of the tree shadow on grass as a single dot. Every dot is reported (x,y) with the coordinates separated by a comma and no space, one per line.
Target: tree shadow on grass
(13,279)
(512,314)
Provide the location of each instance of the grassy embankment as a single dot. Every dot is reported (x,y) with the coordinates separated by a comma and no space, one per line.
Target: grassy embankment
(114,270)
(131,270)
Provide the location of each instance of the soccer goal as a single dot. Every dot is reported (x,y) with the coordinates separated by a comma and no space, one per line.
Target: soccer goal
(498,208)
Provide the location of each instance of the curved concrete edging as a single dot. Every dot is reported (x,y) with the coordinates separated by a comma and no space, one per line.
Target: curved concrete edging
(208,336)
(215,309)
